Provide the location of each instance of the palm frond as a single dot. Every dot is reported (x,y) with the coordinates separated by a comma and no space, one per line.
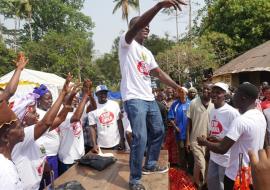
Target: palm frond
(117,6)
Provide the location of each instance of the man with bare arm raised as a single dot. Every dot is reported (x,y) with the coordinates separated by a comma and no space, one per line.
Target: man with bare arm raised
(137,65)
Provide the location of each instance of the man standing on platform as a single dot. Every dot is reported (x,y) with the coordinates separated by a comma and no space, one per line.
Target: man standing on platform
(137,64)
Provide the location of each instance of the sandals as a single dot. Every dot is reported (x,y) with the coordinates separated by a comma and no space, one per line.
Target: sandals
(136,187)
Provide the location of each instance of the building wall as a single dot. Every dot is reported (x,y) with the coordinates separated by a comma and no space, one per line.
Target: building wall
(236,78)
(223,78)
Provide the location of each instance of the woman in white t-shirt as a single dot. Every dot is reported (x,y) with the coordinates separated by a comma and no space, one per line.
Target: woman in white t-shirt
(71,131)
(50,139)
(28,156)
(11,133)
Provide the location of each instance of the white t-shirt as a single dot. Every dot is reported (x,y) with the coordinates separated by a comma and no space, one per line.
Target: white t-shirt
(71,140)
(105,117)
(220,122)
(29,159)
(248,132)
(135,63)
(9,178)
(50,139)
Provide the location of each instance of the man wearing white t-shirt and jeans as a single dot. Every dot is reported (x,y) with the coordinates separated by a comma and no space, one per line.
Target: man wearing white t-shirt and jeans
(221,118)
(247,132)
(106,125)
(137,64)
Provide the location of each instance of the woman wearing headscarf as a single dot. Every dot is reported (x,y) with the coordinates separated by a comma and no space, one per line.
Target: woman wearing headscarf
(29,156)
(50,140)
(11,133)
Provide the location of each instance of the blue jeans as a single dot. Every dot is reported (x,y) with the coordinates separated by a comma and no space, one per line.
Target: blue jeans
(215,176)
(147,128)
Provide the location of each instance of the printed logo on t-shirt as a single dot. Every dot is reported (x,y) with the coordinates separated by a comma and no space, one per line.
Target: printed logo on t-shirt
(76,128)
(143,68)
(42,149)
(106,118)
(216,127)
(40,169)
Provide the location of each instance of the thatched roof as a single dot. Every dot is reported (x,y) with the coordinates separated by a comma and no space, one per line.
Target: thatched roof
(256,59)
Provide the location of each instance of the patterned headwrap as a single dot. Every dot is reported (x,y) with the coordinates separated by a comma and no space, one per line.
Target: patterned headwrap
(21,106)
(41,90)
(7,116)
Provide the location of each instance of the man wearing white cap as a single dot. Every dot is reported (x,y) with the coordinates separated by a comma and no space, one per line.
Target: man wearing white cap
(106,125)
(246,133)
(221,118)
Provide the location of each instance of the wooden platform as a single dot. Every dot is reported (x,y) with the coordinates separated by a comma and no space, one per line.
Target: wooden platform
(116,176)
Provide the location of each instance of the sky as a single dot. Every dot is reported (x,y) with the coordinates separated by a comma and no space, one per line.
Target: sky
(109,26)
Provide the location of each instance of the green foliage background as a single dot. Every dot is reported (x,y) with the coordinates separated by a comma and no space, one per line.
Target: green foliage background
(57,38)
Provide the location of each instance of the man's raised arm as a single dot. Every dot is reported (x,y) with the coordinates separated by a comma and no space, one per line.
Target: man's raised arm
(141,22)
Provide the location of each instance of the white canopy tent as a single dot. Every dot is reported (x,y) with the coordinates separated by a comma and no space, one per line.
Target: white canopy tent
(30,79)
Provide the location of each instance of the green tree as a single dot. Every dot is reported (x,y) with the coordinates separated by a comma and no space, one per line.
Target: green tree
(218,44)
(246,22)
(108,67)
(158,44)
(182,61)
(61,54)
(15,9)
(6,57)
(124,5)
(59,15)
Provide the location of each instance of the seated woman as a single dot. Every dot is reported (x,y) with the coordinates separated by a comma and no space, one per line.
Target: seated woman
(11,133)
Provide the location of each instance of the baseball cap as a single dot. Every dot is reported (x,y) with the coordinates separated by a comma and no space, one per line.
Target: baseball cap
(223,86)
(101,88)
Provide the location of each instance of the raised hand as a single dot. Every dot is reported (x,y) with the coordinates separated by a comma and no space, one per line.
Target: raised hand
(21,61)
(66,87)
(87,85)
(76,88)
(172,3)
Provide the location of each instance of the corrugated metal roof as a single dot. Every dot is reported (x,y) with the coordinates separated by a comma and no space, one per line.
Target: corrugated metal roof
(256,59)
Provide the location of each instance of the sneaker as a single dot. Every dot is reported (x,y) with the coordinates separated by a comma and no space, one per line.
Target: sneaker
(156,169)
(136,187)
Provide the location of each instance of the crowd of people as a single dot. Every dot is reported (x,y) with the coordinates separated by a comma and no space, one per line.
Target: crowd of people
(212,132)
(41,138)
(206,135)
(205,132)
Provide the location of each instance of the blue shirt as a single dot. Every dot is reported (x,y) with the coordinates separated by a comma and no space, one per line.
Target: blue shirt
(178,112)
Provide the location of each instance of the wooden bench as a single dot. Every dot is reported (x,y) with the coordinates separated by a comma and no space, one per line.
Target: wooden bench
(116,176)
